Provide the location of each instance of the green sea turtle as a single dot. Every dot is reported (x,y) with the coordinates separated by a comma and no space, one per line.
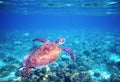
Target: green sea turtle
(44,55)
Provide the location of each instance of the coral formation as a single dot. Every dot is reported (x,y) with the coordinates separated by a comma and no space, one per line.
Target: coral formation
(97,58)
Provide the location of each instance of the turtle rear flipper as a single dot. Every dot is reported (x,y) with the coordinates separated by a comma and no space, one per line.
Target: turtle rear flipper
(26,71)
(40,39)
(70,52)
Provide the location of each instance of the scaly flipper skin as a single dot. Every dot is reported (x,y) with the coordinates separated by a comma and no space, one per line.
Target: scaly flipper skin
(26,71)
(40,39)
(70,52)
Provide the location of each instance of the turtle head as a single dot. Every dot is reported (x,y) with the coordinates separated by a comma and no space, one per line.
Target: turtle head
(60,41)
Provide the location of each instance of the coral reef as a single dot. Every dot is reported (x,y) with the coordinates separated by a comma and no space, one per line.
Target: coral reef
(97,58)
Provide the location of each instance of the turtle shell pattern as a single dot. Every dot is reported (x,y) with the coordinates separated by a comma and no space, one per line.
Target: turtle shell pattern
(43,55)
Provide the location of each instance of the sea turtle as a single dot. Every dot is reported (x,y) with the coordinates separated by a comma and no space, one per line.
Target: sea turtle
(44,55)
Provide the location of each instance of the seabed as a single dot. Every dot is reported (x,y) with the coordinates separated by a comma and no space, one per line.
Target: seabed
(97,57)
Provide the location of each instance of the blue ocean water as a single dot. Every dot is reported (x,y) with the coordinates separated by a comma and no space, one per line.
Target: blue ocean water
(91,29)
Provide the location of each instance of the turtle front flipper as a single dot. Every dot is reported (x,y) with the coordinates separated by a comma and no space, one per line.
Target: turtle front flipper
(40,39)
(70,52)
